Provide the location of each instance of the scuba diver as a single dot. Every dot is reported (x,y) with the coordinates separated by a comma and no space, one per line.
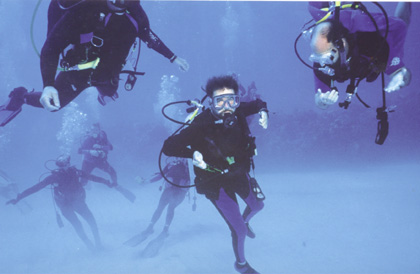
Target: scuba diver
(94,38)
(95,148)
(172,196)
(221,146)
(70,196)
(353,44)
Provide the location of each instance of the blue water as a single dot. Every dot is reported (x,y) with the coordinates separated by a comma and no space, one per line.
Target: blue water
(336,201)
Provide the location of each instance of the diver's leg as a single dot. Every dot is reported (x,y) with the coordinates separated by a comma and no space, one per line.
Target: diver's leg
(69,214)
(228,207)
(82,208)
(105,166)
(253,205)
(403,11)
(177,196)
(163,202)
(87,168)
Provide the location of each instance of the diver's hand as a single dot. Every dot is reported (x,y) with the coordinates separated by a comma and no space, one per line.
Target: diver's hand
(94,153)
(400,78)
(97,146)
(50,93)
(263,121)
(324,100)
(182,63)
(198,160)
(12,201)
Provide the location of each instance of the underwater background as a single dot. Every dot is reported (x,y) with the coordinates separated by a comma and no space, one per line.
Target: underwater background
(336,201)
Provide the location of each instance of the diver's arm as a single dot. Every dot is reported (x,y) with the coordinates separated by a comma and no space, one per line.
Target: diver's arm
(154,42)
(31,190)
(177,145)
(108,146)
(146,34)
(253,107)
(60,36)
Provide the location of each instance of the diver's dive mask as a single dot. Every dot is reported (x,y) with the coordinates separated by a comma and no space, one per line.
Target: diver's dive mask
(325,59)
(231,101)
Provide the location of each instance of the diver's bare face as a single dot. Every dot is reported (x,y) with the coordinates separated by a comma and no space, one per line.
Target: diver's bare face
(226,108)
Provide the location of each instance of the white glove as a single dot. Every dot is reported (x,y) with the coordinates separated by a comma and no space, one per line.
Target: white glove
(183,64)
(97,146)
(400,78)
(263,121)
(94,153)
(324,100)
(50,93)
(198,160)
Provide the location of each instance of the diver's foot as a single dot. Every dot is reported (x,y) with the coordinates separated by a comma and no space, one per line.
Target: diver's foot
(17,99)
(13,106)
(245,268)
(250,233)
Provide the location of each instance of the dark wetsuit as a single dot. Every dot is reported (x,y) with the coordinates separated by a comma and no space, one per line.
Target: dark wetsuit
(216,143)
(172,196)
(365,44)
(81,26)
(90,162)
(70,197)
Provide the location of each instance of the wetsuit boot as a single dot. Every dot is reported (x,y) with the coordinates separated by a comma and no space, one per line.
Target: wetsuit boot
(13,106)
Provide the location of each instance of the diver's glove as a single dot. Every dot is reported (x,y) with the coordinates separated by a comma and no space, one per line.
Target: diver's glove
(324,100)
(400,78)
(263,121)
(50,93)
(97,146)
(182,63)
(198,160)
(94,153)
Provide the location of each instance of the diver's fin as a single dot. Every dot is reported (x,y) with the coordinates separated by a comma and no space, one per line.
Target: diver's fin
(153,247)
(126,193)
(7,115)
(138,239)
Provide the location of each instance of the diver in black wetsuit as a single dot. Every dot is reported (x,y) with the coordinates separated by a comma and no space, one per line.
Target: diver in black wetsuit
(100,35)
(219,142)
(69,195)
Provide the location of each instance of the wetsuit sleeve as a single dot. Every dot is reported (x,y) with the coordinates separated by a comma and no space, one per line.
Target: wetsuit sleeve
(63,33)
(178,145)
(147,35)
(54,14)
(35,188)
(321,81)
(107,144)
(253,107)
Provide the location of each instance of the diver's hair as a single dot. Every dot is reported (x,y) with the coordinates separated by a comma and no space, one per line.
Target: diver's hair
(220,82)
(331,31)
